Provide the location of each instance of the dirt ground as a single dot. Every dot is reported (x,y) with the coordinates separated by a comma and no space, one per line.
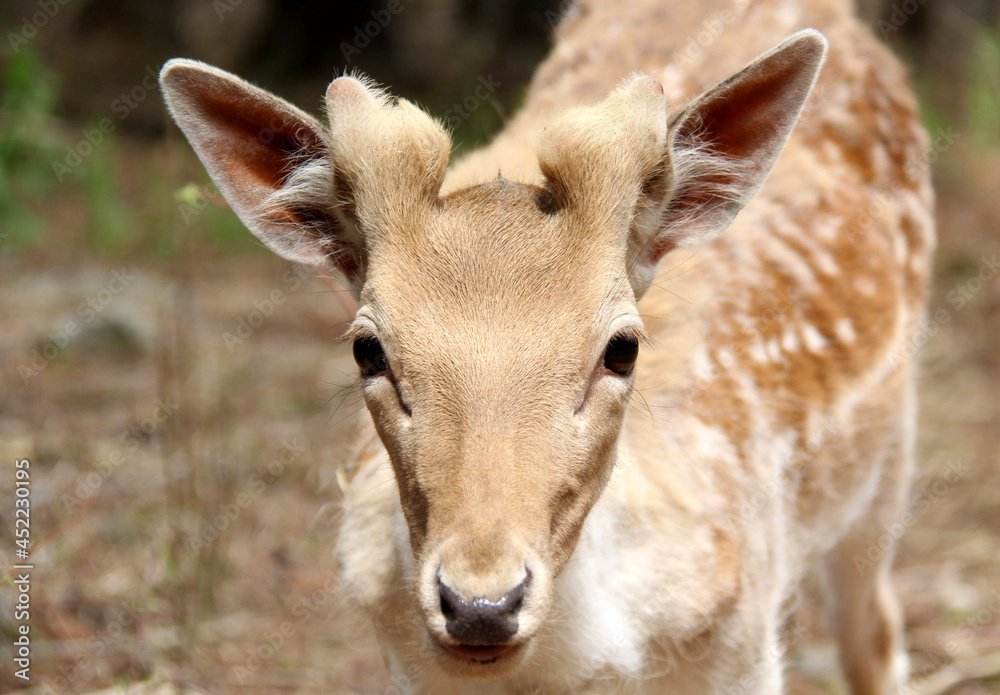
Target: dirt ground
(184,424)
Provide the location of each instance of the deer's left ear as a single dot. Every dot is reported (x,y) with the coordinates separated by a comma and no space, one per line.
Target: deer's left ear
(271,162)
(311,195)
(720,150)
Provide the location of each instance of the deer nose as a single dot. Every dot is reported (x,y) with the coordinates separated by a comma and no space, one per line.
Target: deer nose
(481,622)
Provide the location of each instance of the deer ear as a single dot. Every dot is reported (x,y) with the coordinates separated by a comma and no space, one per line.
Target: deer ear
(720,150)
(271,162)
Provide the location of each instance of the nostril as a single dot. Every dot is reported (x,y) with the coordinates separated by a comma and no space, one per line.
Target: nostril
(516,606)
(515,597)
(481,622)
(448,597)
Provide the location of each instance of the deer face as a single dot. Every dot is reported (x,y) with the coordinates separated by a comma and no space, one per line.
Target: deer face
(496,349)
(497,327)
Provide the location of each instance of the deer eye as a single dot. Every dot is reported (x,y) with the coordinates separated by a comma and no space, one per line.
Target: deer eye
(620,355)
(369,356)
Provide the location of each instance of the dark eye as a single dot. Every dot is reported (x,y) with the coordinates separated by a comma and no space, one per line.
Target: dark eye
(369,356)
(619,356)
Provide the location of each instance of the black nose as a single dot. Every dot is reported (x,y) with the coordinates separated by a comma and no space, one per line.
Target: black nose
(480,622)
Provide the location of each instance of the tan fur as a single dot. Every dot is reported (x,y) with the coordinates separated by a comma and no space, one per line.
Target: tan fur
(661,519)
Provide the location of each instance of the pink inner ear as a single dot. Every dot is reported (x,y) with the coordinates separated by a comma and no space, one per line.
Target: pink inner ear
(258,140)
(742,121)
(726,142)
(661,246)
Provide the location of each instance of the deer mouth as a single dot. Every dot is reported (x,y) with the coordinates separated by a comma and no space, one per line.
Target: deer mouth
(480,654)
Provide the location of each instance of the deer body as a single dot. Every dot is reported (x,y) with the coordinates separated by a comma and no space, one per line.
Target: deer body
(511,523)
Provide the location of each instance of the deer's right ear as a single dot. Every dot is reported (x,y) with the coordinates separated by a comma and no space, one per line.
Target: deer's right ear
(271,162)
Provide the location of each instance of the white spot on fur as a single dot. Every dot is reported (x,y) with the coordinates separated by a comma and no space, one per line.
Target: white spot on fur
(774,350)
(844,330)
(790,340)
(900,668)
(758,353)
(825,263)
(829,230)
(701,365)
(791,261)
(591,598)
(813,339)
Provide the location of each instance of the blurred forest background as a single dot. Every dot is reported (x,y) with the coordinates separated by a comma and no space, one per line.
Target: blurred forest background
(184,403)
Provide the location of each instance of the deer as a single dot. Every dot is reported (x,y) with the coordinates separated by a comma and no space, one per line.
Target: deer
(633,369)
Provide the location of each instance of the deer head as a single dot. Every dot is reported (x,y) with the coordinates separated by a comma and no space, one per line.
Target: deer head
(497,328)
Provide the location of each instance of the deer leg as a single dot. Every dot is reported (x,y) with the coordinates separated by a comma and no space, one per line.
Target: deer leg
(866,616)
